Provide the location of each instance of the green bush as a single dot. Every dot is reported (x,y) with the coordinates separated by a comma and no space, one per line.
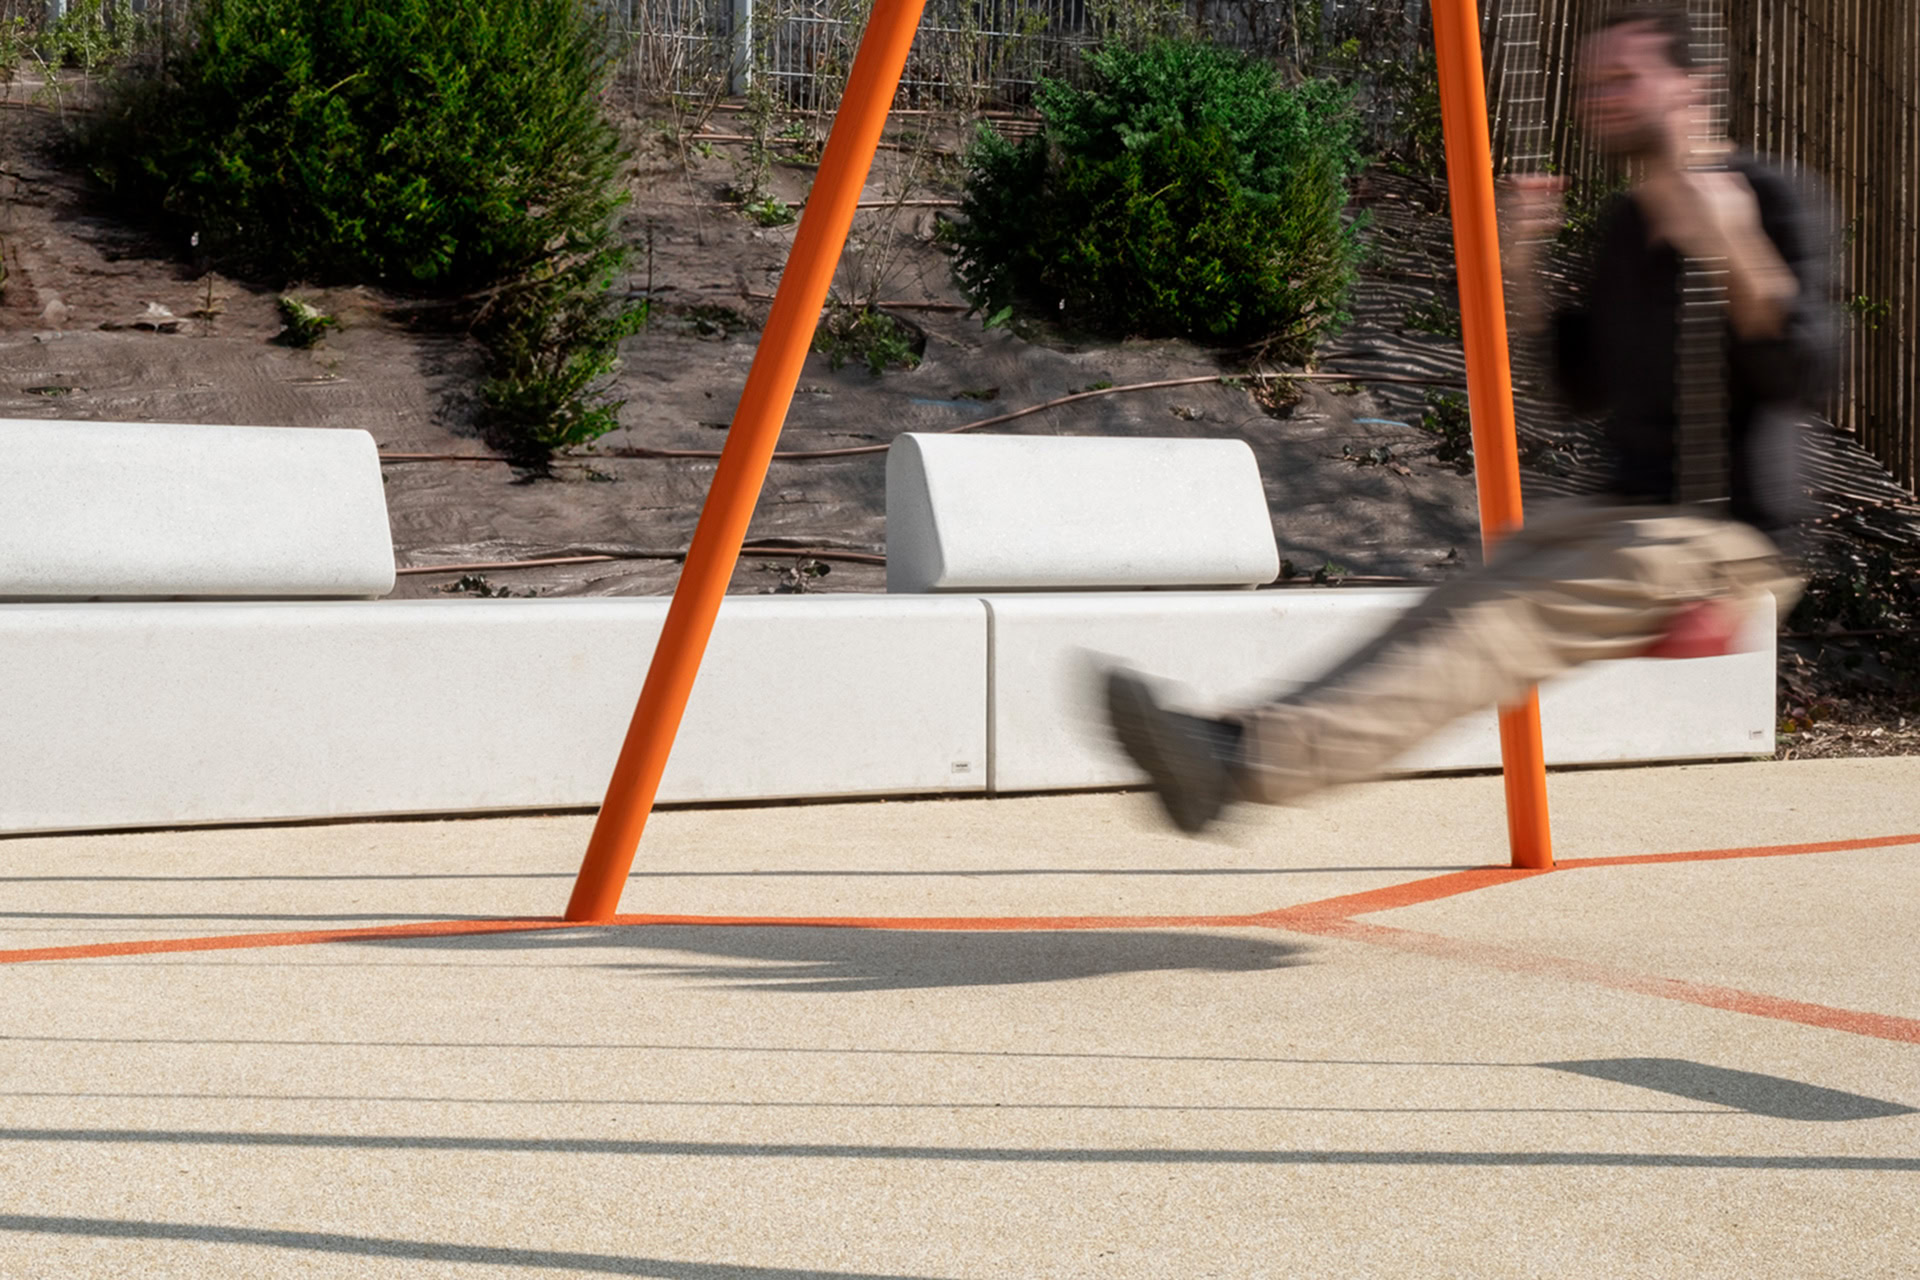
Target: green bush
(449,146)
(870,335)
(424,141)
(90,35)
(304,324)
(1184,192)
(554,344)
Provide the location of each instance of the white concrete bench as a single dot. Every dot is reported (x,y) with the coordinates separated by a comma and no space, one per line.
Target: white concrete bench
(102,510)
(149,714)
(137,690)
(1037,513)
(200,707)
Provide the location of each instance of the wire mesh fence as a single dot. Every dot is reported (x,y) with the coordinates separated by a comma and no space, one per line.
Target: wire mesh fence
(675,46)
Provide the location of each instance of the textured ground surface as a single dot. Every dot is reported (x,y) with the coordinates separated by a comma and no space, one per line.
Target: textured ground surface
(1632,1067)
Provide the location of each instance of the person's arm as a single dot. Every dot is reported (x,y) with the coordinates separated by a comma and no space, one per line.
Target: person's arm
(1715,214)
(1761,287)
(1533,213)
(1796,358)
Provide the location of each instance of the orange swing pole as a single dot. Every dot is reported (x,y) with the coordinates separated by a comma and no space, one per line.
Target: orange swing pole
(1483,321)
(742,468)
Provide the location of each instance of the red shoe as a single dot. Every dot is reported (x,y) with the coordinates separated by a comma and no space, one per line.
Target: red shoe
(1706,629)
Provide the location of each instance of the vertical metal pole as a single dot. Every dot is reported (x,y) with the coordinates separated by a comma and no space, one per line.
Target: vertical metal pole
(1483,320)
(743,461)
(740,73)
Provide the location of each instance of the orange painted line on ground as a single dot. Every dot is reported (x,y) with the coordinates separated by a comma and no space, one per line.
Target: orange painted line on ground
(1411,893)
(1320,919)
(952,924)
(1453,883)
(305,938)
(1880,1026)
(1755,851)
(1329,917)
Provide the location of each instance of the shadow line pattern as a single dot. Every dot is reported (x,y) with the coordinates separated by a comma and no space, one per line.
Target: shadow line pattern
(607,1264)
(645,1147)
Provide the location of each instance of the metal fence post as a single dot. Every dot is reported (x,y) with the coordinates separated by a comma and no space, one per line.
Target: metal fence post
(740,72)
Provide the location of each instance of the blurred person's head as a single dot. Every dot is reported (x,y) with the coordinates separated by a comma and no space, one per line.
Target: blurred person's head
(1636,76)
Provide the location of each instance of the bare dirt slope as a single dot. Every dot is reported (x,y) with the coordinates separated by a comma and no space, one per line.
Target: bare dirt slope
(80,279)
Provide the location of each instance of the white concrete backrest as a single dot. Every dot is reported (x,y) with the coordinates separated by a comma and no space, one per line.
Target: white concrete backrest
(1054,513)
(116,510)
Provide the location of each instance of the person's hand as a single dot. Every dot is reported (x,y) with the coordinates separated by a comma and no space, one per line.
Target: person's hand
(1533,206)
(1693,202)
(1532,209)
(1710,213)
(1700,212)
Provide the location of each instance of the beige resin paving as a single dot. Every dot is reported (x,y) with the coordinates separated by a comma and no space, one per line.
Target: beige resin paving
(1493,1083)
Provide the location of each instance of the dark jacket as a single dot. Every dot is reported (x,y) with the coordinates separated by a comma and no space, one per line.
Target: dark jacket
(1617,355)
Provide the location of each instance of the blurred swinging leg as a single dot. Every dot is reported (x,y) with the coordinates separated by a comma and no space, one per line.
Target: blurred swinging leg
(1634,574)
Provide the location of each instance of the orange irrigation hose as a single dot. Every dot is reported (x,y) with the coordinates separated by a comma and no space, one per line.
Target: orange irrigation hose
(875,558)
(851,451)
(784,553)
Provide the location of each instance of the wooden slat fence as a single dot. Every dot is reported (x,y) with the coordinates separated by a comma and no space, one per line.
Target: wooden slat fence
(1831,89)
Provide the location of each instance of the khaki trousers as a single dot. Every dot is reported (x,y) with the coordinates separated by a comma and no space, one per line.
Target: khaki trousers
(1579,584)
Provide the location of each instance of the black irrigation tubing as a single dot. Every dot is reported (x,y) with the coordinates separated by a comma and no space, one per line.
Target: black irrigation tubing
(808,455)
(797,205)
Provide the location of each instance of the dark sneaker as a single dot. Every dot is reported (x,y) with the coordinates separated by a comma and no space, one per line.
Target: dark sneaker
(1189,759)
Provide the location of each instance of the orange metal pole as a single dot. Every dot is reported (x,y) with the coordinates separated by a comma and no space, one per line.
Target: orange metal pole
(1483,320)
(742,468)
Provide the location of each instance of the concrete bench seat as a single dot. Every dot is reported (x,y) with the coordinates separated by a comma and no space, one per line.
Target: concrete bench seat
(132,712)
(1231,648)
(1037,513)
(162,714)
(103,510)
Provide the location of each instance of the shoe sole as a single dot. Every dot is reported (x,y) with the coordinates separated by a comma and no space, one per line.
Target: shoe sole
(1134,715)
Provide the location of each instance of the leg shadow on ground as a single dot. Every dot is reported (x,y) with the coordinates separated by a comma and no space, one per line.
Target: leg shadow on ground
(815,959)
